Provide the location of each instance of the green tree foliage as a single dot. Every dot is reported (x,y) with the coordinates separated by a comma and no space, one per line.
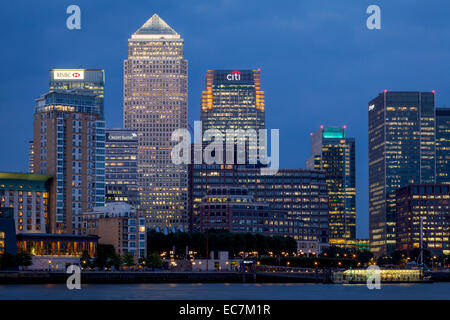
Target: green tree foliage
(7,261)
(106,257)
(154,260)
(128,260)
(85,259)
(23,259)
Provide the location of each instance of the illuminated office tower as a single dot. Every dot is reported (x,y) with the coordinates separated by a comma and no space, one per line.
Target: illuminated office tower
(443,145)
(121,149)
(431,204)
(69,144)
(91,81)
(334,153)
(233,100)
(155,105)
(401,152)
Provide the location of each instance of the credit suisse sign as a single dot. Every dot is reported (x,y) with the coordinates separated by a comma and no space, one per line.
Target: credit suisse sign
(68,74)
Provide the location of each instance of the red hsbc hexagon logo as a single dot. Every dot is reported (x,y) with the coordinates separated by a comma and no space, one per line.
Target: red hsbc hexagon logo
(76,74)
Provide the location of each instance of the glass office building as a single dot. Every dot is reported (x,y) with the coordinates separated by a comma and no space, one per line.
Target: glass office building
(431,203)
(334,153)
(401,152)
(443,145)
(232,99)
(121,149)
(155,105)
(301,194)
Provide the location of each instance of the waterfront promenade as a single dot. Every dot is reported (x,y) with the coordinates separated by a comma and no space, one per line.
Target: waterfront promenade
(122,277)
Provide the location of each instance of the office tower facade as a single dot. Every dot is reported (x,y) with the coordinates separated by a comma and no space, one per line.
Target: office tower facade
(401,152)
(443,145)
(233,209)
(90,81)
(232,99)
(29,197)
(155,105)
(121,150)
(69,144)
(334,153)
(302,194)
(431,203)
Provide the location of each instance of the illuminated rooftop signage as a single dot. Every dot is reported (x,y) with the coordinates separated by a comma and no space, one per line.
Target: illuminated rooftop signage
(235,75)
(132,136)
(68,74)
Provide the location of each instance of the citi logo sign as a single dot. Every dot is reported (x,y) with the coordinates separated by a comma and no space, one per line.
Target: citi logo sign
(235,75)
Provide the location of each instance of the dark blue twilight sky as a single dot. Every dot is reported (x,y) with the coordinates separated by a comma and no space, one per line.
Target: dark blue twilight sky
(320,64)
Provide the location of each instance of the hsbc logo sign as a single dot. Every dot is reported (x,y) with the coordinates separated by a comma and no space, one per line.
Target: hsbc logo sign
(68,74)
(235,75)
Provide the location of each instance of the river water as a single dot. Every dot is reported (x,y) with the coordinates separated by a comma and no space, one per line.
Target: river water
(227,291)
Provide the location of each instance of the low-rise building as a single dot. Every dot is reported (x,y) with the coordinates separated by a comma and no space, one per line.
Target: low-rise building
(55,252)
(7,232)
(29,197)
(118,224)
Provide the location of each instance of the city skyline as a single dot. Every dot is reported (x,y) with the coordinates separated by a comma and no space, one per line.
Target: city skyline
(288,119)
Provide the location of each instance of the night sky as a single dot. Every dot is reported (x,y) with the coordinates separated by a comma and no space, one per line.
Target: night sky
(319,62)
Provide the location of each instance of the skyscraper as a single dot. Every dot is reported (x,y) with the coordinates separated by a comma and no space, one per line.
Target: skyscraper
(69,144)
(401,152)
(121,149)
(233,100)
(334,153)
(443,145)
(155,104)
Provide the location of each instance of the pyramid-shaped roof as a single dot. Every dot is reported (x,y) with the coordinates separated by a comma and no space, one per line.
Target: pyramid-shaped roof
(155,26)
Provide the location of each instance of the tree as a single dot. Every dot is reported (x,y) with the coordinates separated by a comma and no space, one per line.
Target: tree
(398,257)
(7,261)
(85,259)
(23,259)
(107,257)
(128,260)
(154,260)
